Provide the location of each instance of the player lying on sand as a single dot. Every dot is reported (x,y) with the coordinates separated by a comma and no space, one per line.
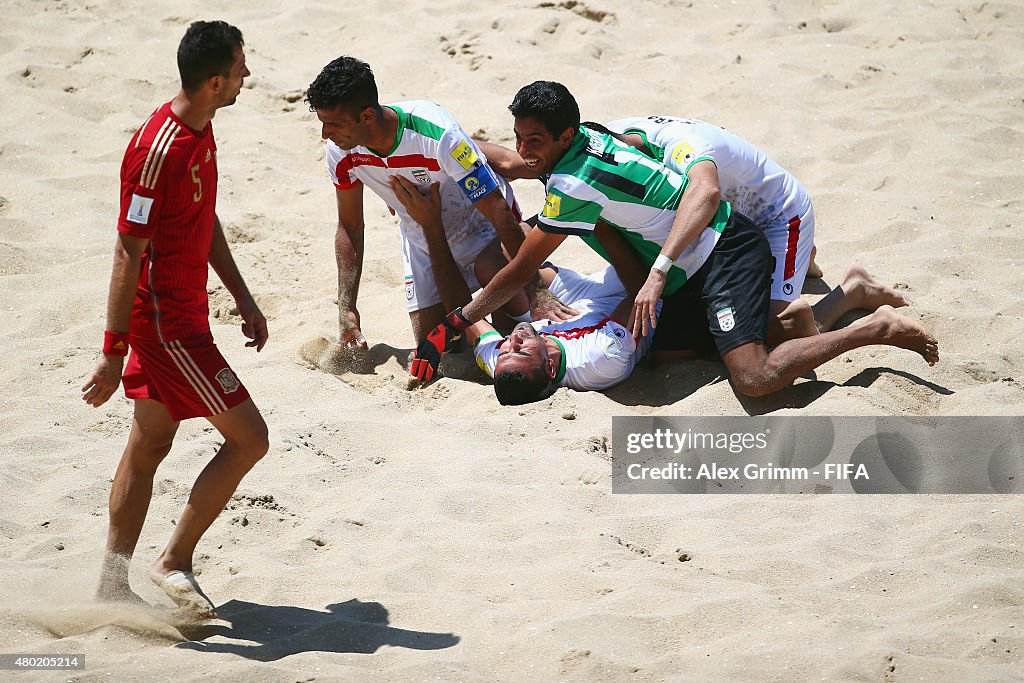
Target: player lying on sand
(590,351)
(593,351)
(168,233)
(369,144)
(725,264)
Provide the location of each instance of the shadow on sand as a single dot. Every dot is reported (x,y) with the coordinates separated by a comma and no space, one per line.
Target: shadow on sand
(805,393)
(267,633)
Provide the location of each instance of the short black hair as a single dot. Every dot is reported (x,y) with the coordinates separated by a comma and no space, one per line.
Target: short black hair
(207,49)
(516,387)
(550,103)
(346,82)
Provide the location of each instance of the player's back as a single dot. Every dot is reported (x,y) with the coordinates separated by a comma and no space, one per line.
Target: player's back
(756,185)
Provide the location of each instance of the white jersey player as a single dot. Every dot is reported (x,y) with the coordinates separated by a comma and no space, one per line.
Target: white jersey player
(430,146)
(369,144)
(756,186)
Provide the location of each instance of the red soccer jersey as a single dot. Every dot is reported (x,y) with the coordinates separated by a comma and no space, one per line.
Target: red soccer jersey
(169,195)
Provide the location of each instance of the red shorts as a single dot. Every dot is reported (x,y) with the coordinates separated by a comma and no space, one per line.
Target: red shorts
(188,376)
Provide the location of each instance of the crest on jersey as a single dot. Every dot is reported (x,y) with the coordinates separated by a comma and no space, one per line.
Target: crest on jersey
(228,382)
(611,346)
(209,155)
(410,288)
(726,319)
(421,175)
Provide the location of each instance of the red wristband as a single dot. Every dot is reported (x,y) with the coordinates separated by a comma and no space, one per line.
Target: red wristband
(115,343)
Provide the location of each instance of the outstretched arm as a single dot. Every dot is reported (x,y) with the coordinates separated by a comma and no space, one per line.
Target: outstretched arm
(426,211)
(254,324)
(348,253)
(511,231)
(535,250)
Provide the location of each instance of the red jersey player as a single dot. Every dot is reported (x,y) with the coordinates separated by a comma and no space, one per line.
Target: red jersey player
(168,232)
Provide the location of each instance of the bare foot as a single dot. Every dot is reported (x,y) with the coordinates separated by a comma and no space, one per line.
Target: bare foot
(865,291)
(113,585)
(184,590)
(814,270)
(119,593)
(790,320)
(898,330)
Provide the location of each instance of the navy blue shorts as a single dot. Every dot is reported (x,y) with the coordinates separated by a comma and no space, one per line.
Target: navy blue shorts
(725,304)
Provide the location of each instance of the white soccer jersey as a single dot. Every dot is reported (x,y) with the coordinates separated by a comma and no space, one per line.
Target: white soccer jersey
(430,146)
(597,352)
(750,180)
(757,186)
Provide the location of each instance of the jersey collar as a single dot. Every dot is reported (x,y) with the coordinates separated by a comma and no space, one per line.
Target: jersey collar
(197,133)
(403,123)
(561,363)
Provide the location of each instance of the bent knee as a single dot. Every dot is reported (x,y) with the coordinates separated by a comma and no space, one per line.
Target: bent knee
(259,444)
(752,372)
(261,447)
(754,384)
(149,446)
(801,310)
(752,390)
(797,311)
(795,321)
(254,444)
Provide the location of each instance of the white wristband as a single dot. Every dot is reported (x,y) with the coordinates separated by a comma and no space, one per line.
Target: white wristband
(662,263)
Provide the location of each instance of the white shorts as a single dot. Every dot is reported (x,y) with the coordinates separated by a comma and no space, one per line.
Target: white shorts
(791,240)
(602,290)
(420,287)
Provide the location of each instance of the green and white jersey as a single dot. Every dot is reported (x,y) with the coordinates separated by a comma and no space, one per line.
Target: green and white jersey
(756,186)
(600,178)
(430,146)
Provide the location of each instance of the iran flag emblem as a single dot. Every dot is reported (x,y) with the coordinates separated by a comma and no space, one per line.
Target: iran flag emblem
(726,320)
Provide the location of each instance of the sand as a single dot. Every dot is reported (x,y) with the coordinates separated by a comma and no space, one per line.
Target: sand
(396,535)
